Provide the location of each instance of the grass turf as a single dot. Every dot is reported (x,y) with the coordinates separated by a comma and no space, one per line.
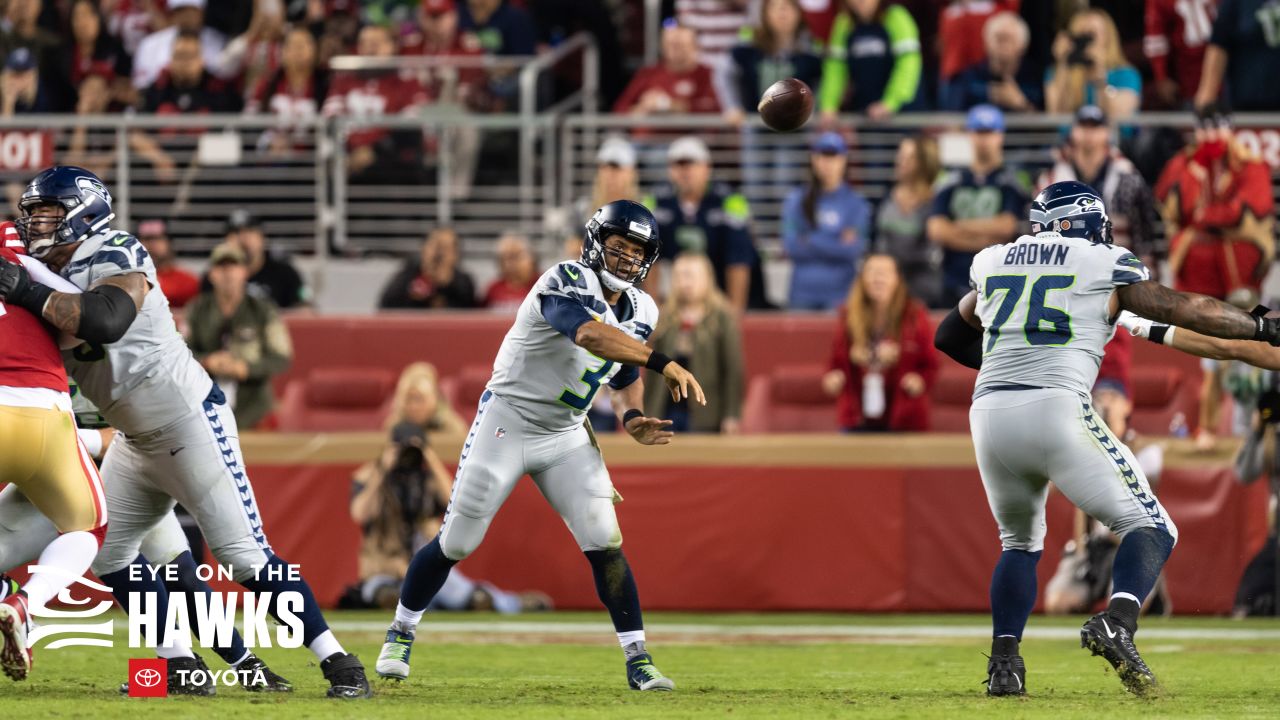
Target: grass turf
(554,666)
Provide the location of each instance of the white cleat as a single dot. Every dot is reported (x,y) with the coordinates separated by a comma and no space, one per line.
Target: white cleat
(393,661)
(15,657)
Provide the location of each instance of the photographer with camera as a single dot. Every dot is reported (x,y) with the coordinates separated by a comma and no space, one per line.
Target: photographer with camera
(398,501)
(1090,69)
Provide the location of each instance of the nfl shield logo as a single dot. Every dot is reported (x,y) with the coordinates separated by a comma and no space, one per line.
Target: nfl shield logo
(500,433)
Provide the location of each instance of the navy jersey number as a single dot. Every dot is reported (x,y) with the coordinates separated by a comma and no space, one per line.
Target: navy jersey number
(592,379)
(1046,324)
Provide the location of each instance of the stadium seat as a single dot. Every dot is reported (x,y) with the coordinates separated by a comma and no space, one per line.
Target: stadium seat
(463,390)
(1157,398)
(789,399)
(952,394)
(335,399)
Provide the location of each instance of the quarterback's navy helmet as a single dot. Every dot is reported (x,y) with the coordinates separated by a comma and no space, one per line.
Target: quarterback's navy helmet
(631,220)
(83,197)
(1072,209)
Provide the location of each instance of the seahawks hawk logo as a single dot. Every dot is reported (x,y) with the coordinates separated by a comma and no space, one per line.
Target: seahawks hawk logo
(93,187)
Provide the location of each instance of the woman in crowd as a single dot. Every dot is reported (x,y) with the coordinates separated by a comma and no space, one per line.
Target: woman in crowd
(778,47)
(875,48)
(825,229)
(94,51)
(294,94)
(882,361)
(900,218)
(700,330)
(417,401)
(1090,69)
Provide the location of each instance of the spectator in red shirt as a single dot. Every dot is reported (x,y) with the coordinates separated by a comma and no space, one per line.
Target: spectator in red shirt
(379,155)
(517,272)
(293,94)
(95,51)
(178,285)
(437,35)
(1177,33)
(1215,199)
(960,33)
(882,361)
(678,84)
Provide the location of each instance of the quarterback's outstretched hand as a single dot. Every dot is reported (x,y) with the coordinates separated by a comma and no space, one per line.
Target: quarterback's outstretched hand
(650,431)
(682,384)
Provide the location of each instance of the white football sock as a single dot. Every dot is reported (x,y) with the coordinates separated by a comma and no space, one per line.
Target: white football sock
(407,620)
(631,636)
(67,558)
(325,645)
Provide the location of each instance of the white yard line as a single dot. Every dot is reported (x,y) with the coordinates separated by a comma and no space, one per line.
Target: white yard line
(796,631)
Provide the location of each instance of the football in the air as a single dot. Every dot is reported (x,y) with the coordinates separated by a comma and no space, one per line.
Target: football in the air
(786,105)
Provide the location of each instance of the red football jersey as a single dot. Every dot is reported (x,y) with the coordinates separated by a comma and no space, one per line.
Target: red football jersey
(29,358)
(1179,29)
(362,96)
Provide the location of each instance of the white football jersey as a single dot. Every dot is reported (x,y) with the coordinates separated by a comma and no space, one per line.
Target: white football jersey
(548,379)
(148,378)
(1044,302)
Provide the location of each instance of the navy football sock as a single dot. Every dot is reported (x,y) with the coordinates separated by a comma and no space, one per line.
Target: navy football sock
(427,572)
(274,578)
(121,585)
(1139,560)
(188,582)
(616,587)
(1013,592)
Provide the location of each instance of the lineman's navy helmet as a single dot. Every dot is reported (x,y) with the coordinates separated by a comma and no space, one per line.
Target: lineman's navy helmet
(81,193)
(1072,209)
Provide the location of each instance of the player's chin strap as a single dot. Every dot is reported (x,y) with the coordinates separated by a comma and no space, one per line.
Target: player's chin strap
(613,282)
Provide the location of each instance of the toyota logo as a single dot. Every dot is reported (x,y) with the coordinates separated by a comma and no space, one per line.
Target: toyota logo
(147,677)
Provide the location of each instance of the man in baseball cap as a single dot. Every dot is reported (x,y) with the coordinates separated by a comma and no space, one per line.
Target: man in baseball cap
(978,206)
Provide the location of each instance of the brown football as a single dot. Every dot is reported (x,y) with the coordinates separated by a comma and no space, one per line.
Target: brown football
(786,105)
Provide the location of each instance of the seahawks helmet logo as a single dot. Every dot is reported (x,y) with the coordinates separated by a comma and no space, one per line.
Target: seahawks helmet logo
(93,186)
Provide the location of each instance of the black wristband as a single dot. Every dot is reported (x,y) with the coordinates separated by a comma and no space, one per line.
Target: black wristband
(657,362)
(1156,334)
(630,415)
(33,298)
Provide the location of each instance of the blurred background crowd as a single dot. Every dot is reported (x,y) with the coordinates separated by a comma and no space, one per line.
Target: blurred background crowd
(383,145)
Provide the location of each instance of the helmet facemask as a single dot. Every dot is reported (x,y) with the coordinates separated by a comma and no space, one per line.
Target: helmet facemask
(620,270)
(40,233)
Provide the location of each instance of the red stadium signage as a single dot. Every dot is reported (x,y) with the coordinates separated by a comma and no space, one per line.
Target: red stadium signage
(25,149)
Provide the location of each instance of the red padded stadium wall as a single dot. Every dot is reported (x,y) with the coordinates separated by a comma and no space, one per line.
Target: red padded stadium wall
(747,538)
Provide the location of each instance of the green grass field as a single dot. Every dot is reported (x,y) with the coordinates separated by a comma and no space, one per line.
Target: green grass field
(727,666)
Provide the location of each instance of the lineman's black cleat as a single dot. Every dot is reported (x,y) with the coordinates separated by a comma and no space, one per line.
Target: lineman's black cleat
(1101,635)
(1006,675)
(254,676)
(346,677)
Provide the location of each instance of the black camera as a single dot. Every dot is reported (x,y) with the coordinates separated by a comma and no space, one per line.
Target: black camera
(1079,54)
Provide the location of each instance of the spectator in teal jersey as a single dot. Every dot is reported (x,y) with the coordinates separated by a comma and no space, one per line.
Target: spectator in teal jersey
(979,206)
(873,61)
(1089,69)
(825,229)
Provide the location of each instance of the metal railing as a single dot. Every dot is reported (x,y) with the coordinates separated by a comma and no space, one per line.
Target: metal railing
(531,168)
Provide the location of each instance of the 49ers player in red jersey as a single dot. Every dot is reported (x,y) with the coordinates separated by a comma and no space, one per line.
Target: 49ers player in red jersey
(43,458)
